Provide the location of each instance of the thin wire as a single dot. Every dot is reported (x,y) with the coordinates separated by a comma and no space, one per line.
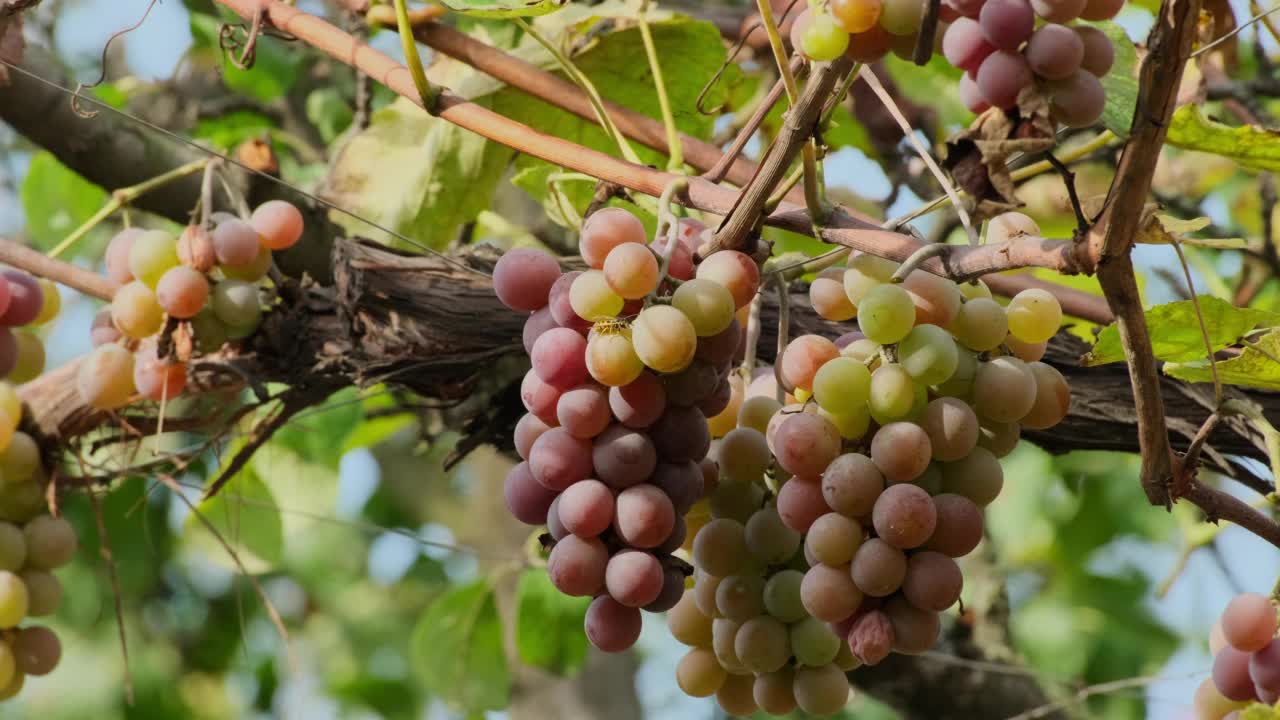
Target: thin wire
(191,143)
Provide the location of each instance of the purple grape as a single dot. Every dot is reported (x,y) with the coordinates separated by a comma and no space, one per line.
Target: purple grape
(1054,52)
(682,482)
(527,500)
(1002,76)
(967,8)
(965,46)
(1099,54)
(623,457)
(538,323)
(26,299)
(672,591)
(612,626)
(1007,23)
(1059,11)
(1079,100)
(558,459)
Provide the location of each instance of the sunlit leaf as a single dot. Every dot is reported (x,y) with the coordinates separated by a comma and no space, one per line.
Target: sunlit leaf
(1251,146)
(1121,82)
(1258,366)
(457,649)
(1175,330)
(56,201)
(549,625)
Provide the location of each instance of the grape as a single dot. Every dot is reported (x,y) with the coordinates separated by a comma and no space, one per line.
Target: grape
(539,398)
(622,457)
(210,332)
(536,324)
(852,426)
(278,224)
(687,623)
(1264,667)
(611,358)
(692,234)
(892,392)
(933,581)
(558,356)
(965,46)
(813,643)
(733,270)
(769,539)
(633,578)
(901,451)
(800,503)
(821,690)
(20,460)
(1211,705)
(631,271)
(157,378)
(846,340)
(744,455)
(51,542)
(974,289)
(869,46)
(1249,622)
(692,385)
(829,593)
(586,508)
(612,626)
(981,324)
(592,298)
(1054,52)
(929,354)
(680,266)
(977,476)
(1006,23)
(681,434)
(528,501)
(103,330)
(1010,226)
(822,39)
(740,597)
(235,242)
(901,17)
(17,679)
(1098,54)
(682,482)
(50,302)
(1003,75)
(606,229)
(1052,397)
(959,526)
(806,444)
(856,16)
(558,459)
(736,695)
(644,517)
(1078,101)
(182,292)
(584,411)
(195,249)
(865,273)
(36,650)
(135,311)
(723,633)
(699,673)
(914,630)
(1058,11)
(832,539)
(558,302)
(708,305)
(640,403)
(116,258)
(930,480)
(1034,315)
(252,271)
(952,428)
(756,411)
(44,592)
(236,303)
(576,565)
(804,357)
(1231,675)
(152,254)
(886,314)
(721,408)
(870,639)
(829,300)
(904,516)
(705,586)
(1004,389)
(782,596)
(13,599)
(522,278)
(664,338)
(851,484)
(1101,9)
(1026,352)
(105,378)
(736,500)
(675,541)
(720,547)
(720,349)
(773,691)
(842,386)
(937,299)
(878,568)
(13,547)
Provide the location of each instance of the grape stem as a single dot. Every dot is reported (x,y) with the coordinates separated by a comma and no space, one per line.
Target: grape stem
(427,93)
(784,325)
(63,273)
(668,225)
(676,155)
(909,265)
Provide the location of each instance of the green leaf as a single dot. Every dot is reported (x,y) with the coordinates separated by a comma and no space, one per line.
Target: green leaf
(549,625)
(229,130)
(1121,82)
(317,433)
(245,515)
(1175,330)
(329,111)
(936,85)
(1252,146)
(1257,367)
(457,649)
(57,201)
(275,65)
(504,8)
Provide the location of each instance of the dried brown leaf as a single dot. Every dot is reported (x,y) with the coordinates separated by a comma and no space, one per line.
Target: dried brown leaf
(978,157)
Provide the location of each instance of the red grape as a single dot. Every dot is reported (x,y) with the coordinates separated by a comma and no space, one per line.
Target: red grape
(1007,23)
(1055,52)
(586,508)
(1002,76)
(528,501)
(278,223)
(522,278)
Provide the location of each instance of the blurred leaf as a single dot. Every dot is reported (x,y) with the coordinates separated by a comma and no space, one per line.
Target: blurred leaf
(56,201)
(1121,82)
(1175,330)
(1251,146)
(457,649)
(329,111)
(1258,366)
(275,66)
(245,515)
(229,130)
(318,433)
(504,8)
(549,625)
(936,86)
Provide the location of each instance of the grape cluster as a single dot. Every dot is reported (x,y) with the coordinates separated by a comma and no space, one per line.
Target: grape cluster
(996,43)
(25,304)
(1246,663)
(838,516)
(627,365)
(210,280)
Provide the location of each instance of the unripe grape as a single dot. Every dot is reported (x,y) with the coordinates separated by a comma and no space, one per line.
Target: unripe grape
(708,305)
(1034,315)
(929,354)
(892,392)
(592,299)
(51,302)
(842,386)
(105,378)
(236,303)
(29,357)
(981,324)
(901,17)
(813,643)
(210,332)
(151,255)
(278,224)
(252,271)
(664,338)
(21,459)
(136,311)
(886,314)
(823,40)
(13,599)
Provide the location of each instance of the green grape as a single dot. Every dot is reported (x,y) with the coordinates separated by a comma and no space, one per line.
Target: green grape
(977,476)
(886,314)
(813,642)
(974,289)
(664,338)
(10,678)
(13,547)
(862,350)
(782,596)
(980,324)
(960,384)
(151,255)
(720,547)
(52,302)
(892,393)
(865,273)
(708,305)
(592,299)
(841,386)
(252,271)
(210,332)
(31,357)
(13,599)
(821,690)
(756,411)
(1034,315)
(21,501)
(236,303)
(762,644)
(851,426)
(736,500)
(44,592)
(740,597)
(901,17)
(10,406)
(929,354)
(769,539)
(51,542)
(824,40)
(20,460)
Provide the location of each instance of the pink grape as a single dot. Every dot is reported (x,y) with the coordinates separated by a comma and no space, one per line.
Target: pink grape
(1055,52)
(540,398)
(1077,101)
(576,565)
(158,378)
(103,330)
(561,308)
(828,593)
(633,578)
(878,568)
(806,444)
(1264,667)
(851,484)
(640,403)
(623,457)
(182,292)
(1231,675)
(800,504)
(235,242)
(252,271)
(278,224)
(682,482)
(802,358)
(1002,76)
(586,508)
(964,45)
(528,501)
(1249,622)
(539,322)
(681,265)
(105,378)
(645,516)
(1007,23)
(901,450)
(631,271)
(117,255)
(558,459)
(871,637)
(1099,54)
(904,516)
(26,299)
(690,231)
(829,300)
(959,525)
(734,270)
(559,358)
(605,230)
(611,626)
(914,630)
(681,434)
(971,96)
(135,311)
(522,278)
(528,429)
(933,581)
(584,411)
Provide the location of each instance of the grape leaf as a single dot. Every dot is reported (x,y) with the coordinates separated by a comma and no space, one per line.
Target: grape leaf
(549,625)
(1121,82)
(57,201)
(244,515)
(503,8)
(457,649)
(1258,366)
(1175,331)
(1251,146)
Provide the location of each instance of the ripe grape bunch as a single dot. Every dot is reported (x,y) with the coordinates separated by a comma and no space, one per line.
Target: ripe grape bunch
(996,42)
(629,359)
(209,280)
(1246,663)
(25,304)
(837,518)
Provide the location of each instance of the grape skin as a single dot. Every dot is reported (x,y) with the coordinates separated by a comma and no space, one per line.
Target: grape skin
(878,568)
(1002,77)
(901,451)
(914,630)
(537,323)
(611,626)
(762,644)
(773,692)
(964,45)
(886,314)
(116,259)
(699,673)
(236,303)
(157,378)
(611,359)
(1264,667)
(933,581)
(813,642)
(44,592)
(664,338)
(1231,675)
(36,650)
(937,299)
(981,324)
(631,271)
(1058,11)
(833,538)
(681,435)
(804,358)
(929,354)
(904,516)
(136,312)
(606,229)
(527,500)
(586,508)
(736,695)
(559,358)
(1052,398)
(769,539)
(782,596)
(720,547)
(584,411)
(1249,622)
(558,459)
(539,398)
(13,599)
(851,484)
